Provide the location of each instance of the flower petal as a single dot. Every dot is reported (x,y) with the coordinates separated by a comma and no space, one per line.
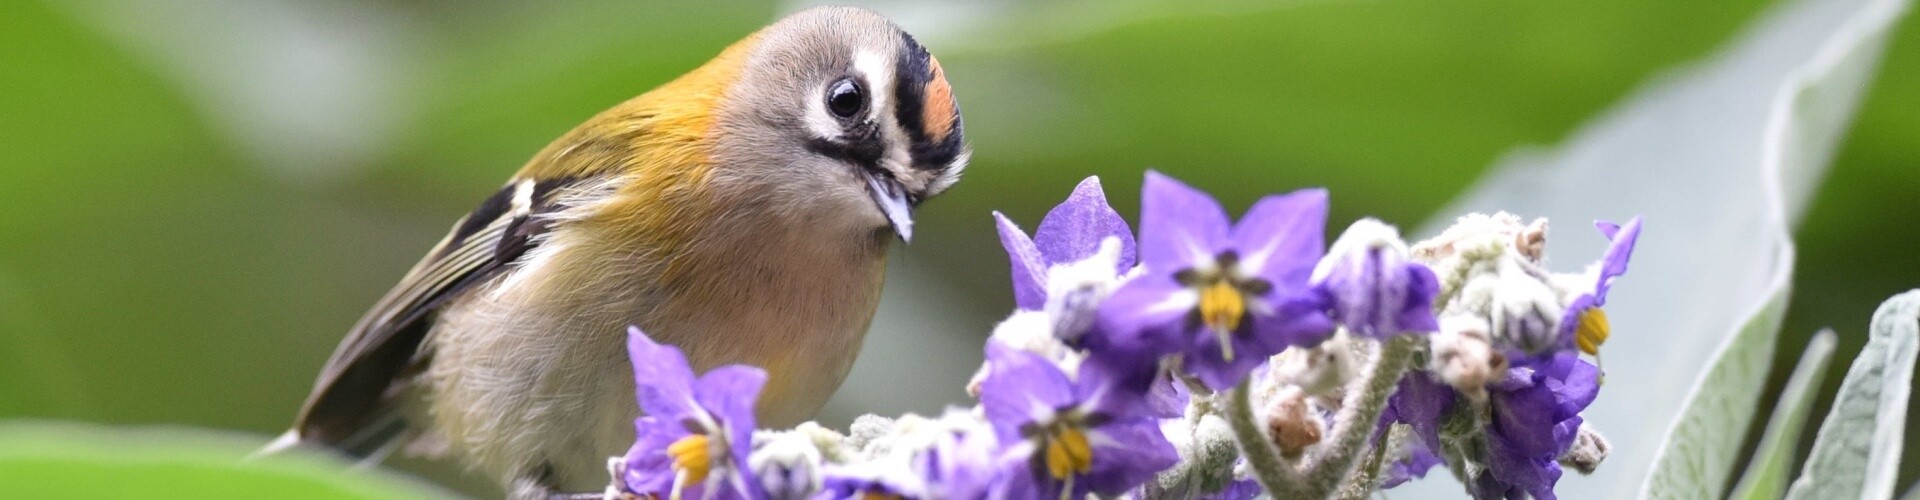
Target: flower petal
(1142,319)
(1127,453)
(647,469)
(1619,251)
(1020,387)
(1072,231)
(663,383)
(1029,268)
(1179,226)
(1282,236)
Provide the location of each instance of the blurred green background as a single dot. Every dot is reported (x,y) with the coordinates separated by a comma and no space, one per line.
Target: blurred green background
(198,197)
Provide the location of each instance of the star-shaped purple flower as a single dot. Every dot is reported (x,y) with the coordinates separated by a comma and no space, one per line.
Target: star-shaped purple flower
(1224,296)
(1581,311)
(1372,288)
(1071,232)
(695,434)
(1080,253)
(1062,435)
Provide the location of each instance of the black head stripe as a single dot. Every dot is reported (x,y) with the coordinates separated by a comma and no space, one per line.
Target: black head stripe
(914,72)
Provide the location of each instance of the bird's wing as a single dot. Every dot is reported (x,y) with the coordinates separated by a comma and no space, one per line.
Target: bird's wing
(350,406)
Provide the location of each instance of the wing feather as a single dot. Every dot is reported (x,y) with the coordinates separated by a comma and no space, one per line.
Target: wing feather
(353,395)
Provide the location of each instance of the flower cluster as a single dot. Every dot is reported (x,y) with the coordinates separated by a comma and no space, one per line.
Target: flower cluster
(1206,358)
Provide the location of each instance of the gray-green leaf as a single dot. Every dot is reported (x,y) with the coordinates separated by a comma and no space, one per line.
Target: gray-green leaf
(1857,453)
(1767,474)
(1719,159)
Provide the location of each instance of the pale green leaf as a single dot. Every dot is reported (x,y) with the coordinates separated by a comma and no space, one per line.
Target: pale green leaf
(1857,453)
(1719,159)
(79,461)
(1767,474)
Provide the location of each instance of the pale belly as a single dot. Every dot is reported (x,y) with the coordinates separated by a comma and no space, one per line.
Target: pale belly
(524,386)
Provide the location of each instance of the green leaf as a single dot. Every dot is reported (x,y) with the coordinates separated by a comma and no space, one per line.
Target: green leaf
(1857,453)
(1766,476)
(79,461)
(1720,159)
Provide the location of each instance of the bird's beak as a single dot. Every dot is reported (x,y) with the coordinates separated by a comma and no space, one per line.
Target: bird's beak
(891,197)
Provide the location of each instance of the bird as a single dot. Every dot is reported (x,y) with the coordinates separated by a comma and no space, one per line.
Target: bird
(741,212)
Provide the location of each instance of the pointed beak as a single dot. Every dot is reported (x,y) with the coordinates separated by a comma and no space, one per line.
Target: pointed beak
(891,197)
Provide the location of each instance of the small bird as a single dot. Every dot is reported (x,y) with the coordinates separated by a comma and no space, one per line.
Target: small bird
(741,212)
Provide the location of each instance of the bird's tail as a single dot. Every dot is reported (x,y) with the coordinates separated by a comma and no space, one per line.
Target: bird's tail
(287,441)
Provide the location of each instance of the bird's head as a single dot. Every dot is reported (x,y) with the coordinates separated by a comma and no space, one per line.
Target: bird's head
(838,109)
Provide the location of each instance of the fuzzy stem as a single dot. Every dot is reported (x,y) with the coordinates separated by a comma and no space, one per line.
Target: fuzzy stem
(1366,478)
(1272,472)
(1359,415)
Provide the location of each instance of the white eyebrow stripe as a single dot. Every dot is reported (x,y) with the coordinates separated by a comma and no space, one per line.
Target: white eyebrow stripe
(877,70)
(878,73)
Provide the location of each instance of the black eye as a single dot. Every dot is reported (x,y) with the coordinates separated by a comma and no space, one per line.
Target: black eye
(845,98)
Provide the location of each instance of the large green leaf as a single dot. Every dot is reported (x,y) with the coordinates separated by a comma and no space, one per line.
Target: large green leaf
(1767,474)
(1857,453)
(73,461)
(1719,159)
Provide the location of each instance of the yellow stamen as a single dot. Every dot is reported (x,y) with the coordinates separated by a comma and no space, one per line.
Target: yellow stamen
(1592,331)
(1068,453)
(692,456)
(880,496)
(1221,308)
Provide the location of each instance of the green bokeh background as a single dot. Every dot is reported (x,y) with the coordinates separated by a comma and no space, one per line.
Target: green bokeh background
(155,268)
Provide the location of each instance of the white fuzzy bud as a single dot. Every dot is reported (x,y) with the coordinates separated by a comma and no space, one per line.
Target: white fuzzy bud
(1525,310)
(1588,451)
(787,465)
(1463,355)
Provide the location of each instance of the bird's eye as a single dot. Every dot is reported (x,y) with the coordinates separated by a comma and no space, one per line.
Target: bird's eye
(845,98)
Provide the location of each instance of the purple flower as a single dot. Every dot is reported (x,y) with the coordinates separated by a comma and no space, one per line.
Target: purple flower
(1077,256)
(695,434)
(1421,402)
(960,464)
(1071,232)
(1061,435)
(1584,323)
(1372,288)
(1534,418)
(1224,296)
(881,478)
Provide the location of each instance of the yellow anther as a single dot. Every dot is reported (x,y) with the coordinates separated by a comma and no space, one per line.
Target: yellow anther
(1592,331)
(1068,453)
(692,456)
(1222,306)
(870,495)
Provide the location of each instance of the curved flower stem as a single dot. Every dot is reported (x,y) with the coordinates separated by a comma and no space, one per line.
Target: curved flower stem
(1324,474)
(1367,477)
(1272,472)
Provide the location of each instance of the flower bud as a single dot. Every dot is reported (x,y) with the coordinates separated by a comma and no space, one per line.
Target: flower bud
(1292,422)
(1320,371)
(787,465)
(1464,357)
(1372,288)
(1588,451)
(1525,310)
